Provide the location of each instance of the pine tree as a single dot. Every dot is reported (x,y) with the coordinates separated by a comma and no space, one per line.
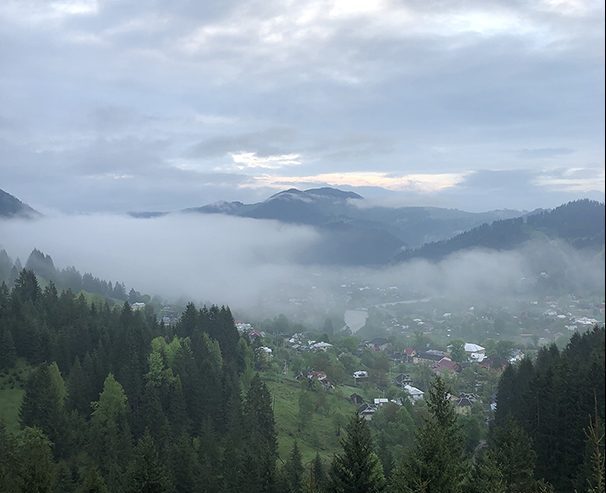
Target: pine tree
(36,470)
(486,477)
(8,460)
(260,441)
(357,469)
(8,354)
(437,464)
(317,480)
(595,458)
(184,466)
(514,456)
(147,474)
(78,389)
(110,441)
(42,405)
(293,471)
(92,482)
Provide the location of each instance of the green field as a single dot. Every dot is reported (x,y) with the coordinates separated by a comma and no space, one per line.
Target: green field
(11,393)
(319,432)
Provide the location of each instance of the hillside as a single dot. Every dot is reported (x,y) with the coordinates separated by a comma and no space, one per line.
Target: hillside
(579,223)
(345,220)
(11,206)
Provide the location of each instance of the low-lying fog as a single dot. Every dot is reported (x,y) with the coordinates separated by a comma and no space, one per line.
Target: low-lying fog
(247,263)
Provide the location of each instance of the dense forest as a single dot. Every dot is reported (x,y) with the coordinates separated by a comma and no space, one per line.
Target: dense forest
(68,278)
(117,402)
(579,223)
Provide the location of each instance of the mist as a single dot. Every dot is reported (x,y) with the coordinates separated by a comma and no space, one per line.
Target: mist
(255,265)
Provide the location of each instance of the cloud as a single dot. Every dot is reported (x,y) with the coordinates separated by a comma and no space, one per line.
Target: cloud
(424,183)
(397,88)
(544,152)
(255,265)
(573,180)
(248,160)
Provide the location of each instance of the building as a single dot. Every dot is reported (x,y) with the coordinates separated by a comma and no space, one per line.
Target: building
(414,394)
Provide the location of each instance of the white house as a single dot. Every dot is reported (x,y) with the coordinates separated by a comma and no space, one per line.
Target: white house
(360,374)
(414,393)
(475,352)
(320,346)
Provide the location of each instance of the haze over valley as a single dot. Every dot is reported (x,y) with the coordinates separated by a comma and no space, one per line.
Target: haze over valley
(313,246)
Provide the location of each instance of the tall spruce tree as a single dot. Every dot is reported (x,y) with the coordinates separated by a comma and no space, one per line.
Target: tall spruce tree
(513,453)
(357,469)
(260,440)
(485,477)
(147,474)
(293,471)
(317,479)
(437,463)
(42,405)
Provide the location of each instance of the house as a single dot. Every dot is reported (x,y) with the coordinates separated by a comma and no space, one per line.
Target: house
(320,346)
(264,350)
(320,376)
(446,365)
(402,379)
(137,306)
(429,356)
(378,344)
(409,354)
(464,403)
(357,399)
(367,411)
(475,352)
(414,394)
(379,401)
(360,375)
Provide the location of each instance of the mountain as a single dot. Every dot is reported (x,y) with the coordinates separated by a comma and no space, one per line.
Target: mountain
(353,232)
(12,207)
(579,223)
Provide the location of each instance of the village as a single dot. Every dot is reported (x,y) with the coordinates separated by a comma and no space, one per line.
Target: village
(379,372)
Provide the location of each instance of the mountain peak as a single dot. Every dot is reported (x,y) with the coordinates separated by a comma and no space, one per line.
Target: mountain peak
(11,206)
(333,193)
(315,193)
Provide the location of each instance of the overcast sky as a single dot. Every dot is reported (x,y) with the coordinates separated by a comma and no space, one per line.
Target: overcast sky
(111,105)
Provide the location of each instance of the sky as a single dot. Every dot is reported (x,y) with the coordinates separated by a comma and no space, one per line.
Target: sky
(114,106)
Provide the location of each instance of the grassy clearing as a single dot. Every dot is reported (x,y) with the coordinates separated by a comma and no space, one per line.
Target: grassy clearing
(11,393)
(319,432)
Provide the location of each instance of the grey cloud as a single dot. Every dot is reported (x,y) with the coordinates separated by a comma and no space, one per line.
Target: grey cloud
(110,93)
(544,152)
(277,140)
(245,262)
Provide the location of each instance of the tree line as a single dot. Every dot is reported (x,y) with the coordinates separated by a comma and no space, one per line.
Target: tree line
(118,402)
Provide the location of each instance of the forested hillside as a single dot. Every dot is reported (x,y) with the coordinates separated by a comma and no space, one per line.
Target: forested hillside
(579,223)
(553,400)
(111,400)
(11,206)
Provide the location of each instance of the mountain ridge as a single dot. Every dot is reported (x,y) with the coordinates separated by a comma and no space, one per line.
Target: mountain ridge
(11,206)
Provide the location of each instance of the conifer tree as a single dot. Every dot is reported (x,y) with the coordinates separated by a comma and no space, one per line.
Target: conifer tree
(42,405)
(317,480)
(515,457)
(110,441)
(36,471)
(357,469)
(485,477)
(147,474)
(293,471)
(260,441)
(92,482)
(8,460)
(8,354)
(437,464)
